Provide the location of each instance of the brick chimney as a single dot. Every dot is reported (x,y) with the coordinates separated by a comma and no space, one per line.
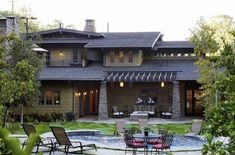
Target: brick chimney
(90,25)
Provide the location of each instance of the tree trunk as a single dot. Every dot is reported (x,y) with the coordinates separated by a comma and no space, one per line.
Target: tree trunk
(22,114)
(5,117)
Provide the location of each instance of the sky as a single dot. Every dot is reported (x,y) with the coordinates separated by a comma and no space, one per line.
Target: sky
(173,18)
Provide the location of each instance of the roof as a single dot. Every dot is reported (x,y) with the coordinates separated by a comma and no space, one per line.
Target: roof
(126,40)
(71,31)
(186,70)
(173,44)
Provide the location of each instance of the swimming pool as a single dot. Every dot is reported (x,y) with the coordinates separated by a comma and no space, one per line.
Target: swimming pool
(179,142)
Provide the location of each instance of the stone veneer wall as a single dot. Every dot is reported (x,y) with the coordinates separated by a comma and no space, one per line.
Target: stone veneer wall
(103,107)
(176,108)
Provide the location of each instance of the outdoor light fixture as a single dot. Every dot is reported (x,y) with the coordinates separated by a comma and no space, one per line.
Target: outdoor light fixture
(76,94)
(61,53)
(84,93)
(121,84)
(162,84)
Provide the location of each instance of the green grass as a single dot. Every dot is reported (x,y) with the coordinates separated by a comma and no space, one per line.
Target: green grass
(107,129)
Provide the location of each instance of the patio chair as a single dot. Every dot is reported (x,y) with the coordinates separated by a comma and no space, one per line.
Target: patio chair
(166,114)
(30,129)
(120,126)
(117,113)
(165,145)
(196,128)
(133,144)
(64,143)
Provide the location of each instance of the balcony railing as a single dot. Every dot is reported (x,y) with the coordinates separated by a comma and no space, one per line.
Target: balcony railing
(62,63)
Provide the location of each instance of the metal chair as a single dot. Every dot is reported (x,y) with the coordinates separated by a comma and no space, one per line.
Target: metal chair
(133,144)
(165,145)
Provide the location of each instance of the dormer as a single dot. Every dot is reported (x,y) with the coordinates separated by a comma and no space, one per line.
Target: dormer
(124,49)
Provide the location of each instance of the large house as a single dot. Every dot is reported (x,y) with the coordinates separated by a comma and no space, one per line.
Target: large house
(87,72)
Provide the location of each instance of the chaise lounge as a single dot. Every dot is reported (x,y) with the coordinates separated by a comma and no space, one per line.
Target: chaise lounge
(65,145)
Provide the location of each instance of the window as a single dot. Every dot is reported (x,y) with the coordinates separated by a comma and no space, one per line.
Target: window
(50,98)
(121,56)
(112,56)
(57,97)
(75,56)
(130,56)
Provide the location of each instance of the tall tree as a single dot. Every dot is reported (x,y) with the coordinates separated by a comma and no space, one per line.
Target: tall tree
(18,73)
(214,44)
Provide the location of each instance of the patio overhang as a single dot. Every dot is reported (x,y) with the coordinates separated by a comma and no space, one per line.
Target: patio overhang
(140,76)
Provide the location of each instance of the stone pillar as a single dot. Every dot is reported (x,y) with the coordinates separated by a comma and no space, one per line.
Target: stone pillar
(176,109)
(103,107)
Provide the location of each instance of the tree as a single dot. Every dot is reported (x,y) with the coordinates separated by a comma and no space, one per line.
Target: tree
(18,73)
(215,46)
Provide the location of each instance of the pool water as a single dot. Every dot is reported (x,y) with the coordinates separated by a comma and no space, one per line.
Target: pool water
(182,142)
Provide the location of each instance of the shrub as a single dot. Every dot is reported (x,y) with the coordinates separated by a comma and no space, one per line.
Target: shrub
(69,116)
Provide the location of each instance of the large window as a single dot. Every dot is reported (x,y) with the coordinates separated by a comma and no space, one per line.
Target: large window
(130,56)
(121,56)
(112,56)
(50,97)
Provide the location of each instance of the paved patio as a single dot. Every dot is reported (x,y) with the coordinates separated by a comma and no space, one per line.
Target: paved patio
(152,120)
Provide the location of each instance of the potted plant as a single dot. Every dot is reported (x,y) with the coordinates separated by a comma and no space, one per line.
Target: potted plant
(146,129)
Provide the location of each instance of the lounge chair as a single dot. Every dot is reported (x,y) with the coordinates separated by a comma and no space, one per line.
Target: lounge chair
(116,112)
(64,144)
(30,129)
(196,128)
(120,125)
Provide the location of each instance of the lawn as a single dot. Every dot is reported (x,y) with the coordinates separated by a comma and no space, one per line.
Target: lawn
(107,129)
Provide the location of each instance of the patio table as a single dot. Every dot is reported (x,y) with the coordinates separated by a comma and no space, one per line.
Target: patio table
(139,115)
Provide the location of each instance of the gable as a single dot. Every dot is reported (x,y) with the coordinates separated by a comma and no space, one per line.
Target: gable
(68,33)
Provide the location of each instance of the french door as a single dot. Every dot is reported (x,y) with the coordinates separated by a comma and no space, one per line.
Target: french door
(193,105)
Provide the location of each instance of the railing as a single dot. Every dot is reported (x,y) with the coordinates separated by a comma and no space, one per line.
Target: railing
(62,63)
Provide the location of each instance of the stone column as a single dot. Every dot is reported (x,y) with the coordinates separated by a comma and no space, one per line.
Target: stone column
(103,107)
(176,109)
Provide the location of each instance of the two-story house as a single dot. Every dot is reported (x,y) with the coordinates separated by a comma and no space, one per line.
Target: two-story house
(88,72)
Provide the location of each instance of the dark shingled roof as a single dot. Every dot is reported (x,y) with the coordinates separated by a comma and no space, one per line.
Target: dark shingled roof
(129,39)
(173,44)
(65,30)
(186,70)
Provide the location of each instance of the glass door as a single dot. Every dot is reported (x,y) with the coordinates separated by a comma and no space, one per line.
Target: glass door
(193,105)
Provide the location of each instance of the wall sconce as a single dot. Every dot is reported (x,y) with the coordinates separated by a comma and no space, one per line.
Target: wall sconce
(162,84)
(121,84)
(61,53)
(77,94)
(84,93)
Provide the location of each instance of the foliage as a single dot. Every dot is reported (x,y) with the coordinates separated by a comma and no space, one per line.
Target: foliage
(12,146)
(69,116)
(214,44)
(18,74)
(147,128)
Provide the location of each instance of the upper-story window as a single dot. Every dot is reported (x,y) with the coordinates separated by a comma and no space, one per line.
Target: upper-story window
(112,56)
(121,56)
(75,56)
(130,56)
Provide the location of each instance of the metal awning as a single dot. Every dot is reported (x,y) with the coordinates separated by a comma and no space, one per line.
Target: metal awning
(140,76)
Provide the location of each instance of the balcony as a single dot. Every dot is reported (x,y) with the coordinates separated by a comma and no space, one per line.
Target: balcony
(64,63)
